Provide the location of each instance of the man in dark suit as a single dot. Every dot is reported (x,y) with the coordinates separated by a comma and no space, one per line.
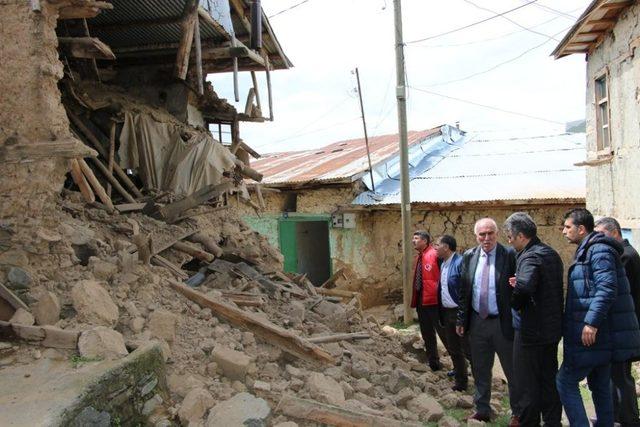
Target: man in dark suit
(485,314)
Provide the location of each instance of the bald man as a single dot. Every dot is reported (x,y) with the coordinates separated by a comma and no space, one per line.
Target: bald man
(485,314)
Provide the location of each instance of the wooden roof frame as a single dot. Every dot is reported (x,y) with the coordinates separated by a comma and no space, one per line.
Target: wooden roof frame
(593,25)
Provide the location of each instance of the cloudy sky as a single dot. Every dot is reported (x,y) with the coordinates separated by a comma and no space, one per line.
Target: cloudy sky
(503,63)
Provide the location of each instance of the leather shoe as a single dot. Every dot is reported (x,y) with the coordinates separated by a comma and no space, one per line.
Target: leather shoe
(459,387)
(514,422)
(435,366)
(480,417)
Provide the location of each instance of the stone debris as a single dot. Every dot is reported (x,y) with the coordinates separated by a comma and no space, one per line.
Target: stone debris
(325,389)
(195,404)
(47,310)
(232,364)
(94,304)
(22,317)
(243,409)
(162,324)
(102,342)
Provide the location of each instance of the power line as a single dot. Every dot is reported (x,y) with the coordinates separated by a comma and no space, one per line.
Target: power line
(515,58)
(472,24)
(566,15)
(477,104)
(510,20)
(288,9)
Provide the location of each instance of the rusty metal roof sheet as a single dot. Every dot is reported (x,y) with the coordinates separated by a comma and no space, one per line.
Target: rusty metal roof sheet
(495,169)
(343,161)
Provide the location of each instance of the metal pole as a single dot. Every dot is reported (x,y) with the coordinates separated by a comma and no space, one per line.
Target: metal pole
(366,137)
(405,207)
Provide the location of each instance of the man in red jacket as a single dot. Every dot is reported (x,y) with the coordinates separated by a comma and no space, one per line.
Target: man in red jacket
(425,296)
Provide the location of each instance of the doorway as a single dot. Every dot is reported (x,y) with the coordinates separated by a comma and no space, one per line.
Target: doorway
(304,242)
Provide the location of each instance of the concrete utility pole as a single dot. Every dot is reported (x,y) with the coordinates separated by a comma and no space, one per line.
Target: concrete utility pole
(366,136)
(405,204)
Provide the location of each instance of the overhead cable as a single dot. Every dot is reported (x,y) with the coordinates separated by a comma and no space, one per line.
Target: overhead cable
(288,9)
(471,25)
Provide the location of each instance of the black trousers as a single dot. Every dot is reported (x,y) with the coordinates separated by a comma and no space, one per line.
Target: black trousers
(430,325)
(623,388)
(457,346)
(535,367)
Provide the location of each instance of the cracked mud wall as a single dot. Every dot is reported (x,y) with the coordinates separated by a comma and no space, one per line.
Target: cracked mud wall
(372,252)
(30,107)
(612,187)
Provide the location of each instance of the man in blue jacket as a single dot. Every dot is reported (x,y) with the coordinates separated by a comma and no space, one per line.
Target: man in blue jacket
(448,299)
(600,325)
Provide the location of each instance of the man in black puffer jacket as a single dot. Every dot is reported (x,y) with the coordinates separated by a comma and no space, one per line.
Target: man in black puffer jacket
(600,324)
(537,302)
(625,402)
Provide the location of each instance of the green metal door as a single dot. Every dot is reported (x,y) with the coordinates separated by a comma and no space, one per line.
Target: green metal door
(288,247)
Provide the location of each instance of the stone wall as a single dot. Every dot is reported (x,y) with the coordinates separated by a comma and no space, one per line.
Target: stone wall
(612,186)
(373,251)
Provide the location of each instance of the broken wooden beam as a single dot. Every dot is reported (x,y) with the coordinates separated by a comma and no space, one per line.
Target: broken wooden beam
(338,293)
(112,180)
(271,333)
(47,336)
(11,298)
(13,150)
(340,337)
(81,181)
(323,413)
(93,140)
(95,184)
(243,298)
(334,277)
(193,251)
(209,244)
(86,48)
(190,15)
(162,261)
(248,171)
(129,207)
(78,9)
(171,212)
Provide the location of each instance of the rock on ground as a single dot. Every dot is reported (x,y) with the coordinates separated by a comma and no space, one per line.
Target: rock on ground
(448,421)
(47,310)
(195,405)
(183,384)
(162,324)
(325,389)
(93,304)
(426,407)
(233,364)
(102,342)
(243,409)
(22,317)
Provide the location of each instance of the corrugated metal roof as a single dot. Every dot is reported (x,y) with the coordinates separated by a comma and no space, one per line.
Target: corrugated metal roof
(496,169)
(340,161)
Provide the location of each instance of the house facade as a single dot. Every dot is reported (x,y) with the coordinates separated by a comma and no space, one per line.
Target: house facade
(608,34)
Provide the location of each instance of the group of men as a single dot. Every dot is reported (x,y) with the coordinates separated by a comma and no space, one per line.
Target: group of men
(509,301)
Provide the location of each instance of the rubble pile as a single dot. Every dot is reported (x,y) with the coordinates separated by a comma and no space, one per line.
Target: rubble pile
(80,273)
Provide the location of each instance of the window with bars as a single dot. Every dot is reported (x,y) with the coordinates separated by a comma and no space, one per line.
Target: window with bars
(603,140)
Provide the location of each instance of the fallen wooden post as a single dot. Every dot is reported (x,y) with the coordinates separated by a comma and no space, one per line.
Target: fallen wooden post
(112,153)
(209,244)
(338,293)
(334,415)
(171,212)
(47,336)
(81,181)
(112,181)
(86,48)
(340,337)
(193,251)
(11,298)
(162,261)
(101,150)
(247,171)
(271,333)
(97,187)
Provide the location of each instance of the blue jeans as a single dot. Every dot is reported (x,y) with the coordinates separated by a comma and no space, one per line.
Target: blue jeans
(599,380)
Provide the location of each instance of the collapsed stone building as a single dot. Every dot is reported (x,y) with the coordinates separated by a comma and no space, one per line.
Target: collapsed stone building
(131,291)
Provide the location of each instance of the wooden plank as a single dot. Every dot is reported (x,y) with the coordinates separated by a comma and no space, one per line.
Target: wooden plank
(11,298)
(112,153)
(81,181)
(193,251)
(254,80)
(111,179)
(269,332)
(340,337)
(97,187)
(162,261)
(249,150)
(172,211)
(209,244)
(248,106)
(260,198)
(14,151)
(198,43)
(78,9)
(334,415)
(86,48)
(47,336)
(93,140)
(190,15)
(338,293)
(267,67)
(129,207)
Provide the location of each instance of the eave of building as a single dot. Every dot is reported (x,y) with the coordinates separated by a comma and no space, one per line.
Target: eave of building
(480,204)
(593,25)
